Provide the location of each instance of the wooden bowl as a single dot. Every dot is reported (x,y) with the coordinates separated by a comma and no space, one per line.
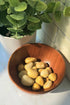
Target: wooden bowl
(45,54)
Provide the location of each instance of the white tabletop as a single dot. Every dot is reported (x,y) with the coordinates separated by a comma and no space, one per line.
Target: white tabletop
(10,95)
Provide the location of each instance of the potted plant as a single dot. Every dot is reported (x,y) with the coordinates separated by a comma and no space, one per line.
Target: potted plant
(21,18)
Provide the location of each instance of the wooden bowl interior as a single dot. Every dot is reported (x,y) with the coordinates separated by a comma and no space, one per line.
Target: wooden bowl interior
(40,51)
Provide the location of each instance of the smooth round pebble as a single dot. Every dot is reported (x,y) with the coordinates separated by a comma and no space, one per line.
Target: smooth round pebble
(52,77)
(40,65)
(47,84)
(30,59)
(44,73)
(28,66)
(21,73)
(32,73)
(40,80)
(34,67)
(49,69)
(27,81)
(35,86)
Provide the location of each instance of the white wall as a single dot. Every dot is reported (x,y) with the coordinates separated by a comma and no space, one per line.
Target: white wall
(56,35)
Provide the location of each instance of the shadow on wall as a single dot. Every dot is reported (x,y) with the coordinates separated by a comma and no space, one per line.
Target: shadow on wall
(50,31)
(62,40)
(4,56)
(64,25)
(47,34)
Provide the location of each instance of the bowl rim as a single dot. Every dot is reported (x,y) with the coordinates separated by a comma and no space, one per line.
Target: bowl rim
(28,91)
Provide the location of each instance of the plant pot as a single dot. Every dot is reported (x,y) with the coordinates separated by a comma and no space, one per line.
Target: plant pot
(11,44)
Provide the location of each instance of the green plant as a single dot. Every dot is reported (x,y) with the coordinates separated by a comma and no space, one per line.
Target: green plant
(22,17)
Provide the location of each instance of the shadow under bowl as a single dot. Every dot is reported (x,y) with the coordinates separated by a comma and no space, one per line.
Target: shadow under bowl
(43,52)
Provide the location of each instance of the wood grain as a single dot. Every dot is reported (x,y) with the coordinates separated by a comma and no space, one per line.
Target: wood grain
(39,51)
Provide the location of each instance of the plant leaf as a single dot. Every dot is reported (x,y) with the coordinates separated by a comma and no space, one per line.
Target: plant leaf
(66,11)
(41,6)
(16,36)
(10,10)
(56,7)
(33,19)
(16,23)
(3,7)
(21,7)
(2,2)
(30,11)
(50,7)
(34,26)
(12,21)
(18,16)
(45,18)
(3,19)
(14,30)
(57,15)
(13,3)
(32,3)
(22,22)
